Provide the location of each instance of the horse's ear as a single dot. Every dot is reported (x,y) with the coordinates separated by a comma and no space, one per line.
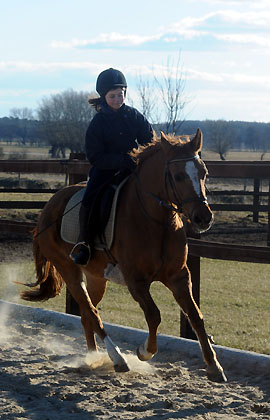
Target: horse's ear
(197,141)
(164,141)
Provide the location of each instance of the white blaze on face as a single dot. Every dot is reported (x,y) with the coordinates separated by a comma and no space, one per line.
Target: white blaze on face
(192,172)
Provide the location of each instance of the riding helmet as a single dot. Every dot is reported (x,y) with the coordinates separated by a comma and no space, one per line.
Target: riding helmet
(110,79)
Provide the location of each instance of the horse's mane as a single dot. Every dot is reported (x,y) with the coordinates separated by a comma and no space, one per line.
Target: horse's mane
(144,152)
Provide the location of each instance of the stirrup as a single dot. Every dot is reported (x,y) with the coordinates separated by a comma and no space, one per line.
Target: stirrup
(83,256)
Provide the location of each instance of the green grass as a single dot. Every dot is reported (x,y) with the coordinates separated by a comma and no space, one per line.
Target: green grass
(234,301)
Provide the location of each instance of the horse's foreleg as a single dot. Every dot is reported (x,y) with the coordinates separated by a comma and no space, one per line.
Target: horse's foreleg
(91,321)
(181,287)
(140,292)
(95,289)
(90,318)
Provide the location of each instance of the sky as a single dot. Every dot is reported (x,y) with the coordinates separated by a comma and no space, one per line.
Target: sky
(49,46)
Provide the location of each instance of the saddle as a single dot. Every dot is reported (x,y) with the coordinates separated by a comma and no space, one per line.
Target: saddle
(102,215)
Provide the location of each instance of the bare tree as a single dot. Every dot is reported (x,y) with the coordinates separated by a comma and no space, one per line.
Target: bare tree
(219,137)
(147,99)
(65,117)
(24,117)
(21,113)
(171,87)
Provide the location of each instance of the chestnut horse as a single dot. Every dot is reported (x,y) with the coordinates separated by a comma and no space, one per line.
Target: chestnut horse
(150,244)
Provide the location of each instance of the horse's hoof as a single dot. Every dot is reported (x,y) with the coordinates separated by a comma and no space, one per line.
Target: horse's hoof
(144,357)
(121,368)
(216,376)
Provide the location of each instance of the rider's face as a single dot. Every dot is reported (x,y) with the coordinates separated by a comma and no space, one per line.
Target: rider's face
(115,98)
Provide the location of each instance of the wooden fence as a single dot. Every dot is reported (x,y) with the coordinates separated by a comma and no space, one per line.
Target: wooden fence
(77,170)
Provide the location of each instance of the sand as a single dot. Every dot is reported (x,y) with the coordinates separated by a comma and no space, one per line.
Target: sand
(46,374)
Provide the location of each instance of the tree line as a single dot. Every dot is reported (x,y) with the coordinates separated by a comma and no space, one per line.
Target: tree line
(221,136)
(61,120)
(63,128)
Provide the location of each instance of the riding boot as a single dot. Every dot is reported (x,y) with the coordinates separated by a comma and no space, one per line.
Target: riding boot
(84,253)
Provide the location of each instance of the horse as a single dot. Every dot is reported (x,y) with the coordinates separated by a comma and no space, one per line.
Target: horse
(166,188)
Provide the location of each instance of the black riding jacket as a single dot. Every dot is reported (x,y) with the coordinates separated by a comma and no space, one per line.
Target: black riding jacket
(111,135)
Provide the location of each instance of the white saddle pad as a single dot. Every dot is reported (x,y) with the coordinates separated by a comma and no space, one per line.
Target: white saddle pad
(70,226)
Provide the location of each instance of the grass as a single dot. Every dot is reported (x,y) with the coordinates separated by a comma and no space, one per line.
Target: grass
(235,155)
(22,215)
(34,152)
(11,151)
(234,301)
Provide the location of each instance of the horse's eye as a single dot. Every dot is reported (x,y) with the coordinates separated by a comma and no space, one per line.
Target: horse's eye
(179,177)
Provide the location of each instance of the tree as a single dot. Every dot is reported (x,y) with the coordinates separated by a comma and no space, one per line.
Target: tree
(8,129)
(65,117)
(265,141)
(219,137)
(252,137)
(23,117)
(147,99)
(167,91)
(171,88)
(21,113)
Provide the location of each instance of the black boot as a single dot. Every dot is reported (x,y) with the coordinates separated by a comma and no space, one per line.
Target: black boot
(83,254)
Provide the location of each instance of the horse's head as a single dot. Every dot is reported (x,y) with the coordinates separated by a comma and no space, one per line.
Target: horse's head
(185,175)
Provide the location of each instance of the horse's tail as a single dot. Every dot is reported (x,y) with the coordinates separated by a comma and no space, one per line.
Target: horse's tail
(50,282)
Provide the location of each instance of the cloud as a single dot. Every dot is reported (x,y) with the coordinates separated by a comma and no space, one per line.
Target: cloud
(27,66)
(224,20)
(13,92)
(252,39)
(250,18)
(230,79)
(228,104)
(190,33)
(134,69)
(258,4)
(113,38)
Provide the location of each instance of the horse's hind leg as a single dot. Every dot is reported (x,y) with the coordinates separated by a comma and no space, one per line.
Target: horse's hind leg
(181,287)
(140,292)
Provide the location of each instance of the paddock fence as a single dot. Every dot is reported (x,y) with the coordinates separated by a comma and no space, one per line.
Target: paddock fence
(76,170)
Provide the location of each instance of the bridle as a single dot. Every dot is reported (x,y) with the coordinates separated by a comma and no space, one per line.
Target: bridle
(178,202)
(177,206)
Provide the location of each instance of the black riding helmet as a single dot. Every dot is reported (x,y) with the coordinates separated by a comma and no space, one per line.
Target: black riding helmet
(110,79)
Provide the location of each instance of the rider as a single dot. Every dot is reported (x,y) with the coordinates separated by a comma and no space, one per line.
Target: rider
(113,132)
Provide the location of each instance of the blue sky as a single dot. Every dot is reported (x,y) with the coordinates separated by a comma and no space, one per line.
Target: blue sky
(48,46)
